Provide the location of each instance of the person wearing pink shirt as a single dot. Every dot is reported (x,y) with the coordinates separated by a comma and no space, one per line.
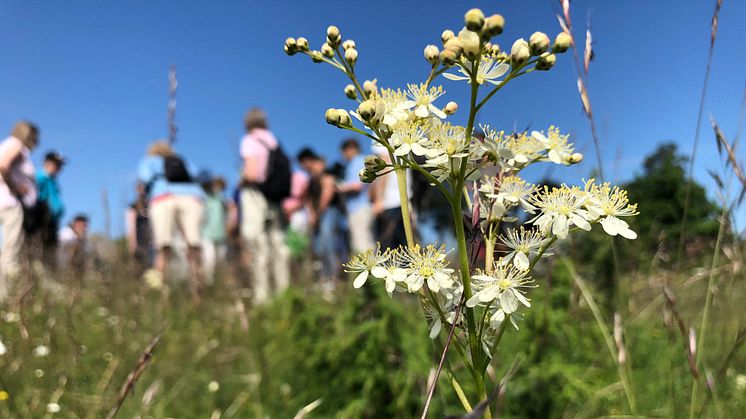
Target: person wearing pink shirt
(262,220)
(17,190)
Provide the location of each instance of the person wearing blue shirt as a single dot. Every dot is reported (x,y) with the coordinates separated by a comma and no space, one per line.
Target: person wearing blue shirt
(49,199)
(176,204)
(357,199)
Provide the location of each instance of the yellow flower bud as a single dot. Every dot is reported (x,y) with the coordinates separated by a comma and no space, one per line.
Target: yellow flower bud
(448,57)
(367,110)
(351,56)
(348,44)
(474,20)
(538,43)
(291,47)
(327,50)
(451,108)
(350,91)
(519,53)
(432,54)
(454,45)
(576,158)
(562,42)
(470,43)
(333,37)
(370,88)
(546,61)
(302,44)
(344,118)
(494,25)
(316,56)
(446,35)
(332,116)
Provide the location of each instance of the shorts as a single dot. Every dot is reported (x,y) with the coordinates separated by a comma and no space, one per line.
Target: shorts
(182,213)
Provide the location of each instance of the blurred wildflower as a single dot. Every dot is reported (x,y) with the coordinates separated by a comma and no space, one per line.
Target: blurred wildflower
(41,351)
(213,386)
(53,408)
(3,349)
(4,395)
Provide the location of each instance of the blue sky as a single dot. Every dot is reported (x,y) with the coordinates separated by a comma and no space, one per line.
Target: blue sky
(93,75)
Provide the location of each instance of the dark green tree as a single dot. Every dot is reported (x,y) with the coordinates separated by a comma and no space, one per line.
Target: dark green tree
(660,192)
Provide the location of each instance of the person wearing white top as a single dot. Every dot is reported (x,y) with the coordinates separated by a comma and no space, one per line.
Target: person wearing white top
(17,189)
(389,227)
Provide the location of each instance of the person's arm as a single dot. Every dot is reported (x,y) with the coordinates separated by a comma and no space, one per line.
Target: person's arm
(8,154)
(378,187)
(250,172)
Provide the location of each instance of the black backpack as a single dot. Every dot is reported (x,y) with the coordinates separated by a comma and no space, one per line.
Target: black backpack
(276,187)
(175,170)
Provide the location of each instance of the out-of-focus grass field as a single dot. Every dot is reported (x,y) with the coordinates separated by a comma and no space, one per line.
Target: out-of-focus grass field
(358,351)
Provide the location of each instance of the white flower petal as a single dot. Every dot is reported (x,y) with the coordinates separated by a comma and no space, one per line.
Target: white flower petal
(360,279)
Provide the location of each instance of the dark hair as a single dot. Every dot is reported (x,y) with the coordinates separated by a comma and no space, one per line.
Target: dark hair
(80,218)
(307,154)
(350,142)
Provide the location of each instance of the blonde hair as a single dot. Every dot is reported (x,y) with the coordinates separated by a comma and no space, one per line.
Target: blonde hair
(27,132)
(255,118)
(160,148)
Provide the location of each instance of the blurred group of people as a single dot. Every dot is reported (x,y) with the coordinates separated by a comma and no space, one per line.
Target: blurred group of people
(32,211)
(272,213)
(182,214)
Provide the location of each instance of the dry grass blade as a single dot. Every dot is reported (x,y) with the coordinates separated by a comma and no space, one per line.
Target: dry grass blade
(307,409)
(730,152)
(692,157)
(481,407)
(683,330)
(142,363)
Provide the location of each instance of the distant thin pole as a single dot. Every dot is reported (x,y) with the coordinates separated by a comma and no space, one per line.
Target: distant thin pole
(173,83)
(107,212)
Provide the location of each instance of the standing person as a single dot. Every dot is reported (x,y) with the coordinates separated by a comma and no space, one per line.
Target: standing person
(175,206)
(50,208)
(215,229)
(139,233)
(325,213)
(389,226)
(294,210)
(17,190)
(357,199)
(75,250)
(266,183)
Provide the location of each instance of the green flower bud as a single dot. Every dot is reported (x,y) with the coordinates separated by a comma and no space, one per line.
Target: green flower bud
(302,44)
(494,25)
(451,108)
(332,116)
(519,53)
(367,110)
(291,47)
(562,42)
(432,54)
(327,50)
(366,176)
(316,56)
(348,44)
(344,118)
(370,88)
(333,37)
(454,45)
(350,91)
(374,164)
(470,43)
(538,43)
(474,20)
(448,57)
(351,56)
(546,61)
(446,35)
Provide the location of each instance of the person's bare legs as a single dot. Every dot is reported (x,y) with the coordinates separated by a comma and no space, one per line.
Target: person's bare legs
(194,257)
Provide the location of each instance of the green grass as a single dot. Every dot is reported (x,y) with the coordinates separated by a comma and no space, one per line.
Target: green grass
(360,352)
